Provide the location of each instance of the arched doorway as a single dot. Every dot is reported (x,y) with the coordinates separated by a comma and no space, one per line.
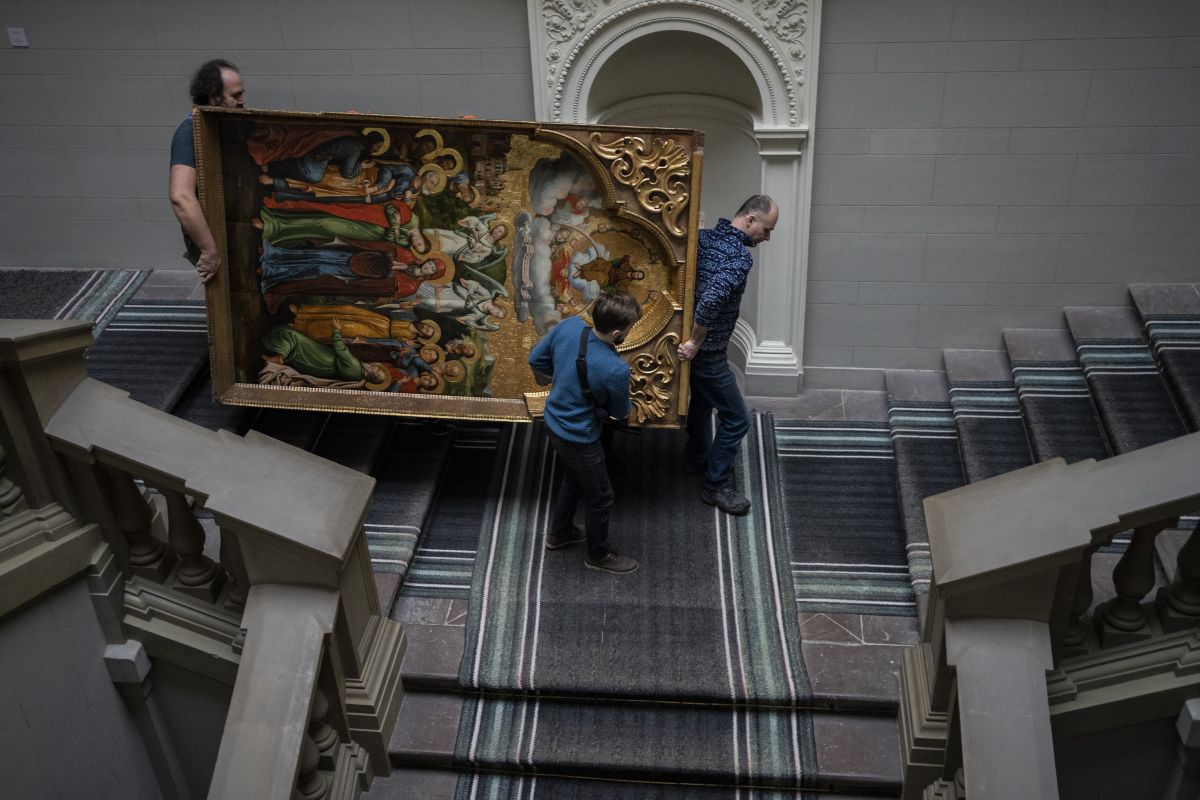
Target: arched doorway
(742,72)
(703,86)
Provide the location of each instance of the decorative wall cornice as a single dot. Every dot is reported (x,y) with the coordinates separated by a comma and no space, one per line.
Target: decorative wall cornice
(570,39)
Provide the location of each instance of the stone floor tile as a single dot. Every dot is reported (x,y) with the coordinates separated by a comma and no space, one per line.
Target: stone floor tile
(865,406)
(808,405)
(421,610)
(857,748)
(891,630)
(844,629)
(433,654)
(866,676)
(427,728)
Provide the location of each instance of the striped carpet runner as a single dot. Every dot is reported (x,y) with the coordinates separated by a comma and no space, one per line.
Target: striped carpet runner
(443,565)
(987,415)
(1129,392)
(153,349)
(540,621)
(102,295)
(68,293)
(927,462)
(407,478)
(1058,410)
(702,638)
(838,481)
(1175,339)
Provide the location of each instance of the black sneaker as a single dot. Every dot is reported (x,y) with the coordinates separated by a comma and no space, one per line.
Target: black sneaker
(557,541)
(612,562)
(727,498)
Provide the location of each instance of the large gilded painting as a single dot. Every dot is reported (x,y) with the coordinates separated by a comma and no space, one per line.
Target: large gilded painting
(407,266)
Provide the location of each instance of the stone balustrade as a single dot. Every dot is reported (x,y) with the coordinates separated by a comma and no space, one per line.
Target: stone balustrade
(288,612)
(1014,654)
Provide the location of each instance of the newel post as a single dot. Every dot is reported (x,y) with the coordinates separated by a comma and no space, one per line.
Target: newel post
(41,363)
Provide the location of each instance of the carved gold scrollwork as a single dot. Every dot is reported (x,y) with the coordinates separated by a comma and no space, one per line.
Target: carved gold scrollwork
(651,378)
(659,174)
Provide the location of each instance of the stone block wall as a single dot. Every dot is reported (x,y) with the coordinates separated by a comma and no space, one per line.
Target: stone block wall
(88,109)
(978,165)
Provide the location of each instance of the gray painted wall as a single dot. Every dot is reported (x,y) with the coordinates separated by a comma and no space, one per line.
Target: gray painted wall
(978,165)
(194,708)
(87,111)
(1130,763)
(65,732)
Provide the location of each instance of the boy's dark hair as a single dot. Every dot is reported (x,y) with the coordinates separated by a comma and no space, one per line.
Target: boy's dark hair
(615,310)
(757,204)
(207,82)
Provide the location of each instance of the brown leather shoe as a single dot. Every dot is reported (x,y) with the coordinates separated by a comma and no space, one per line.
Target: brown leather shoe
(612,562)
(561,540)
(728,499)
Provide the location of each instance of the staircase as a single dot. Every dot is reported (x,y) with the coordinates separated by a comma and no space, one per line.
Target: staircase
(1111,381)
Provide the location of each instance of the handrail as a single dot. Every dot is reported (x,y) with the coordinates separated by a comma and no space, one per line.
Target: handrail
(315,667)
(1011,586)
(268,716)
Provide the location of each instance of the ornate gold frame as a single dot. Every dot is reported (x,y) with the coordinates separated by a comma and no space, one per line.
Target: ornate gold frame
(648,179)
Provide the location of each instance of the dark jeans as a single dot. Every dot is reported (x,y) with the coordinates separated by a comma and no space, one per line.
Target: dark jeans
(584,475)
(715,388)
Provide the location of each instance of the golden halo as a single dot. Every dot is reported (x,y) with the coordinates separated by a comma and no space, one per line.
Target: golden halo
(447,262)
(378,386)
(438,387)
(437,330)
(438,353)
(469,359)
(387,140)
(436,170)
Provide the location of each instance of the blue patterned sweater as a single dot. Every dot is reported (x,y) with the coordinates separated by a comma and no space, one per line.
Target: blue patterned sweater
(723,263)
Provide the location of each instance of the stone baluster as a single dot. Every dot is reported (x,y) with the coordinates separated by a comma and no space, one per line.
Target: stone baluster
(1179,604)
(198,575)
(12,499)
(147,555)
(237,583)
(1073,639)
(321,732)
(1122,619)
(311,784)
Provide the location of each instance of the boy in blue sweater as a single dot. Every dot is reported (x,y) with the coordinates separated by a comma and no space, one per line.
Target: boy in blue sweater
(574,421)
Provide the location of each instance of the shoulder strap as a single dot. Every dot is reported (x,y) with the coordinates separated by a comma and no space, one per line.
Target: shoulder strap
(581,367)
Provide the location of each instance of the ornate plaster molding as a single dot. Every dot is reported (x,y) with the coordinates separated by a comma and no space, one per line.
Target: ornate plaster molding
(571,39)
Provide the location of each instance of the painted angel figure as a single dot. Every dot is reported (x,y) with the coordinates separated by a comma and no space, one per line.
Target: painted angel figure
(466,300)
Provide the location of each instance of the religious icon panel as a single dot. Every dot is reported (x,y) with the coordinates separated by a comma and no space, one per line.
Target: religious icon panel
(407,266)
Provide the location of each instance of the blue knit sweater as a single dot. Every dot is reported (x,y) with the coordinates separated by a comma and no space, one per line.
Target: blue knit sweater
(723,263)
(568,414)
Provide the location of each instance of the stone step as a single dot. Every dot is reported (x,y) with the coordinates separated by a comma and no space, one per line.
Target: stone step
(409,783)
(1171,315)
(1130,394)
(843,677)
(925,443)
(987,415)
(297,428)
(407,477)
(1055,401)
(198,406)
(646,742)
(356,441)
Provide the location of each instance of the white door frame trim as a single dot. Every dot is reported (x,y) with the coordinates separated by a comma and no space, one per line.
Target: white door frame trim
(778,42)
